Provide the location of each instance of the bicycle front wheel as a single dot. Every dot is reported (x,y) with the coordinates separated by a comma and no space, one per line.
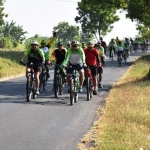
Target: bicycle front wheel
(45,80)
(29,88)
(88,88)
(71,92)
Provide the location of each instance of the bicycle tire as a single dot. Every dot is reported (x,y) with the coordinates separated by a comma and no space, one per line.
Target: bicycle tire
(29,88)
(71,92)
(91,87)
(60,86)
(76,91)
(112,55)
(125,57)
(88,88)
(56,89)
(34,90)
(45,81)
(41,82)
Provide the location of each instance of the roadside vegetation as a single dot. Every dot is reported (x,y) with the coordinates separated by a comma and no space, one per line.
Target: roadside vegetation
(125,123)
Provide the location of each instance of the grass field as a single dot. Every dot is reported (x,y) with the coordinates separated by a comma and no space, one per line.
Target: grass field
(125,123)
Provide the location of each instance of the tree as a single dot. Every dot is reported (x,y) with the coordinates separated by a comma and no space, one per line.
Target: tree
(16,32)
(97,18)
(86,37)
(66,32)
(2,14)
(136,9)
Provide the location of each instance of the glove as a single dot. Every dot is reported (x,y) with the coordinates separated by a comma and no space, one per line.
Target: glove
(99,65)
(54,34)
(84,65)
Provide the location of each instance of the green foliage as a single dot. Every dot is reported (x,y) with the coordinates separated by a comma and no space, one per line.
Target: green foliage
(3,42)
(66,32)
(96,17)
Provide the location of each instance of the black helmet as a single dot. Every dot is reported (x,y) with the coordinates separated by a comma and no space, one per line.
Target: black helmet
(74,42)
(60,44)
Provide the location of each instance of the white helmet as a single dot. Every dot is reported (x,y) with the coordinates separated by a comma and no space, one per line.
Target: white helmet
(34,43)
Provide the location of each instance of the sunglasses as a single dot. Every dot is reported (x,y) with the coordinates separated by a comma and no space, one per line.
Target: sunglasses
(74,45)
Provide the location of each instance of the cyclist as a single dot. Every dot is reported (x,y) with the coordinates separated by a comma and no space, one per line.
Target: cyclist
(83,45)
(36,56)
(112,46)
(101,51)
(68,45)
(136,43)
(45,48)
(59,55)
(91,57)
(100,68)
(120,49)
(76,58)
(117,40)
(103,44)
(126,48)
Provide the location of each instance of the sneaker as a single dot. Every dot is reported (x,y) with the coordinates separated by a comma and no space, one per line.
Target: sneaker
(48,75)
(95,92)
(80,89)
(100,85)
(37,92)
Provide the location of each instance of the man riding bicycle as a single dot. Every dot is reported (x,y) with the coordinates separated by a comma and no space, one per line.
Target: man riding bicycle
(92,59)
(59,54)
(112,46)
(76,58)
(100,68)
(45,48)
(36,56)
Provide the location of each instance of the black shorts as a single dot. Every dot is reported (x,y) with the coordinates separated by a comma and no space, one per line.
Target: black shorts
(93,70)
(100,70)
(36,68)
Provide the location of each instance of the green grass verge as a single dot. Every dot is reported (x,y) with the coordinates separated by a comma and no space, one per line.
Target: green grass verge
(125,124)
(9,59)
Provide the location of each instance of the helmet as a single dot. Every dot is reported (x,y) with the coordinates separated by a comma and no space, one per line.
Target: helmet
(90,43)
(43,42)
(96,45)
(99,42)
(74,42)
(34,43)
(69,43)
(60,44)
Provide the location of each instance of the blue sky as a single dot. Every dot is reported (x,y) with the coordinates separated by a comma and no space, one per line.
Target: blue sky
(40,16)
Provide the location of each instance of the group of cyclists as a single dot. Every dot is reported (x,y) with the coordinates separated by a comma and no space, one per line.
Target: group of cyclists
(75,55)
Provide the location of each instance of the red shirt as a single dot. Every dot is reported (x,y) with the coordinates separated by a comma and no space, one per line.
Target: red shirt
(90,56)
(103,44)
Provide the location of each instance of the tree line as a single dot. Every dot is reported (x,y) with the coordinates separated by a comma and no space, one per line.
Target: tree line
(95,17)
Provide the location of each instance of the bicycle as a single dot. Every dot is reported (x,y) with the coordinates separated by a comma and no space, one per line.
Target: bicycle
(119,58)
(30,84)
(89,83)
(43,78)
(74,84)
(112,48)
(58,82)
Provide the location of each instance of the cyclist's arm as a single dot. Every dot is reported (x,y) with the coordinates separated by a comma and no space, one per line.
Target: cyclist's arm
(98,59)
(41,54)
(51,42)
(82,55)
(67,57)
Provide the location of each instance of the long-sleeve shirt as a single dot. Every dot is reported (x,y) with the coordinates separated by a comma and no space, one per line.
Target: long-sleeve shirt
(75,57)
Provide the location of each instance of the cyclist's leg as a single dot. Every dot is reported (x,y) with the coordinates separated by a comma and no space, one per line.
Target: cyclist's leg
(94,73)
(81,74)
(37,71)
(110,52)
(69,73)
(100,72)
(47,66)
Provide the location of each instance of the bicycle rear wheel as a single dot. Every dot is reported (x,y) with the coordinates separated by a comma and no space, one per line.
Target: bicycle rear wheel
(45,80)
(88,88)
(71,92)
(34,90)
(29,88)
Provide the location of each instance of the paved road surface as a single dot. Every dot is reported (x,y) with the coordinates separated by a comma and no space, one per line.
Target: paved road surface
(47,123)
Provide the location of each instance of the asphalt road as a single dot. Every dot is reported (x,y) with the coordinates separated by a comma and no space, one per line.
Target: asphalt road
(47,123)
